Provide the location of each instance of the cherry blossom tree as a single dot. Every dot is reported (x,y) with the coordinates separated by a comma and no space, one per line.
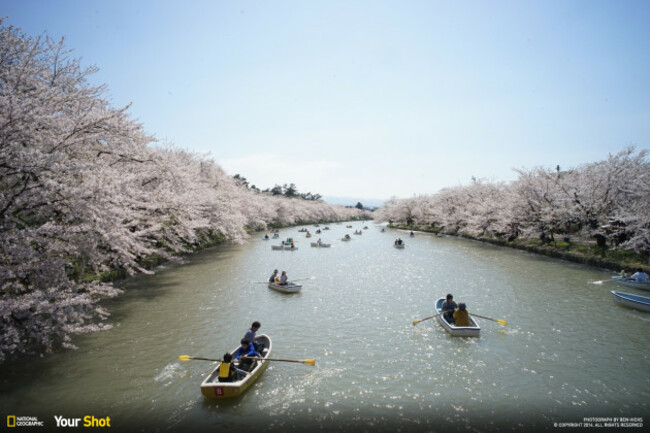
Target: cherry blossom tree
(83,192)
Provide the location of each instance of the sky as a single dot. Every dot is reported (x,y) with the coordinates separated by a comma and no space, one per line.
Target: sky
(369,99)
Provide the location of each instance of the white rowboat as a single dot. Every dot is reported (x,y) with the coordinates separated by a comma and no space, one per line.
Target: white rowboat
(633,301)
(287,288)
(457,331)
(320,245)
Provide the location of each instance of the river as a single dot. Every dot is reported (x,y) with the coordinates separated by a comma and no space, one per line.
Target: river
(568,351)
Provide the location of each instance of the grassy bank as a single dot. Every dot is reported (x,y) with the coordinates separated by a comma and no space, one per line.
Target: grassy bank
(577,250)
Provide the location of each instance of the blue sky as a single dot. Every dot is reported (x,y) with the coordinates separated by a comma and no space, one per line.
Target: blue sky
(369,98)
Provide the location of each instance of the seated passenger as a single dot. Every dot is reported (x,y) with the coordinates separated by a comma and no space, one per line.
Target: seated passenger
(244,352)
(639,276)
(228,372)
(448,308)
(461,316)
(284,279)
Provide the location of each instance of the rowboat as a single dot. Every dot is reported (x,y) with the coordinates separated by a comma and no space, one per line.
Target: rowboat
(266,238)
(320,245)
(399,246)
(365,227)
(346,239)
(302,230)
(326,228)
(643,285)
(290,248)
(212,388)
(457,331)
(308,235)
(287,288)
(358,233)
(277,247)
(633,301)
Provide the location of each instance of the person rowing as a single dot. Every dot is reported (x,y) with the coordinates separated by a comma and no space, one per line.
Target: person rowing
(448,308)
(274,275)
(639,276)
(244,352)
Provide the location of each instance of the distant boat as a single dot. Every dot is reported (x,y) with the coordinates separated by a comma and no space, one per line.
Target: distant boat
(286,288)
(320,245)
(399,246)
(633,301)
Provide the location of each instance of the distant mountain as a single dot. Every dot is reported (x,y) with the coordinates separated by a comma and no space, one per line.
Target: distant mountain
(352,201)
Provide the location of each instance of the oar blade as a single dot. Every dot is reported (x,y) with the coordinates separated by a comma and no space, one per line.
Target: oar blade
(309,361)
(503,322)
(184,358)
(415,322)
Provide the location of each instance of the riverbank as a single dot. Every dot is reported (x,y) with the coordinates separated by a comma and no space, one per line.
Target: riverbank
(578,251)
(154,261)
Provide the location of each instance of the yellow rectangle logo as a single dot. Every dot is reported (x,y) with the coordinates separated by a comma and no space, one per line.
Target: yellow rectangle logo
(11,420)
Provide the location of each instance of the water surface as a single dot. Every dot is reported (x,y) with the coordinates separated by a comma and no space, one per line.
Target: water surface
(567,353)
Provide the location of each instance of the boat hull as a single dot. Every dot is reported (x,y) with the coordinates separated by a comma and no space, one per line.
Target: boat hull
(457,331)
(321,245)
(399,246)
(632,283)
(287,288)
(213,389)
(629,300)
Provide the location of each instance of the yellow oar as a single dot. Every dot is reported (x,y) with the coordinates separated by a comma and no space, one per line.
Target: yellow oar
(306,278)
(303,361)
(502,322)
(187,358)
(415,322)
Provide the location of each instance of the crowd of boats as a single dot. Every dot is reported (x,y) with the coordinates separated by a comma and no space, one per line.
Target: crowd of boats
(239,368)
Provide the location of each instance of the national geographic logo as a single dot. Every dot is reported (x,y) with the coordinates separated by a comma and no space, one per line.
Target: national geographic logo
(23,421)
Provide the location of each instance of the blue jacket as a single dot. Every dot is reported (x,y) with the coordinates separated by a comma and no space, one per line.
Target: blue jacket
(251,352)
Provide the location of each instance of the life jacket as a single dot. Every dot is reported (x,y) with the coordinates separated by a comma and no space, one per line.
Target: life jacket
(277,280)
(224,370)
